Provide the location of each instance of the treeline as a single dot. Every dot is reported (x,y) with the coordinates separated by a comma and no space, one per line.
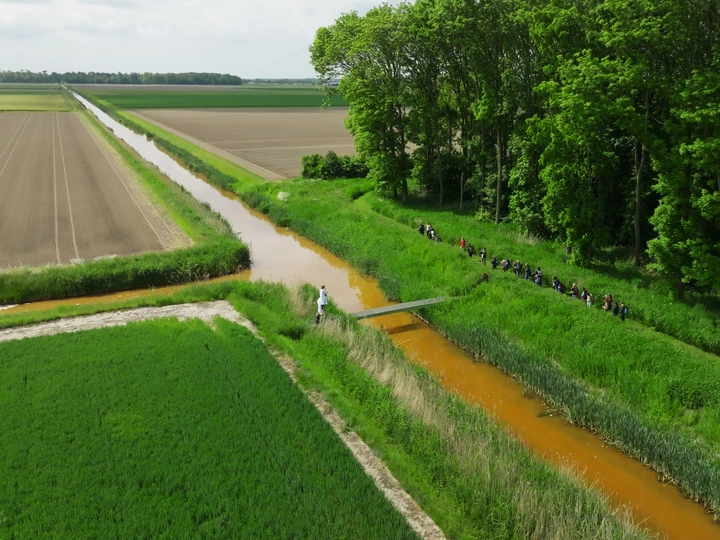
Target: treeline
(594,122)
(79,77)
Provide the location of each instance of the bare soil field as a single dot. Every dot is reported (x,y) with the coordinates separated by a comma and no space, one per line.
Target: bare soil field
(66,196)
(274,139)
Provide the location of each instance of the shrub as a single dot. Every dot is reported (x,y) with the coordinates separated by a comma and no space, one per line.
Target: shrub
(333,166)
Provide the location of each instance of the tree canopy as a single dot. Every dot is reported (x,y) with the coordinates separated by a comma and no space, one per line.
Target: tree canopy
(593,122)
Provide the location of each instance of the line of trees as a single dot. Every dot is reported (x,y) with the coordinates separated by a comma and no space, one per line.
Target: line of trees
(92,77)
(595,122)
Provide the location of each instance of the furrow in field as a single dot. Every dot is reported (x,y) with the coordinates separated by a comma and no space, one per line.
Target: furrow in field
(108,221)
(12,125)
(168,235)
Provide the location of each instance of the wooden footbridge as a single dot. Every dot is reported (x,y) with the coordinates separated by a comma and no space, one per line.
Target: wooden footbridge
(397,308)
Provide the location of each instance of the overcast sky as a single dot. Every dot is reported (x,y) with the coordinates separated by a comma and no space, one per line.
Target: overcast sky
(249,38)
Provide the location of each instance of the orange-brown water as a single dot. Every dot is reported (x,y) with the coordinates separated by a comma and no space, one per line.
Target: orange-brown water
(283,256)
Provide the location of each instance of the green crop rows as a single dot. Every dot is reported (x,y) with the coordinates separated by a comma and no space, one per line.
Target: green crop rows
(192,97)
(168,429)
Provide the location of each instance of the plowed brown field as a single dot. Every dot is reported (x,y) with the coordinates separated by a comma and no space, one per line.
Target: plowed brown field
(273,139)
(65,196)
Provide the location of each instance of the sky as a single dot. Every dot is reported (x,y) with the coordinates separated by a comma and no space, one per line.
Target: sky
(248,38)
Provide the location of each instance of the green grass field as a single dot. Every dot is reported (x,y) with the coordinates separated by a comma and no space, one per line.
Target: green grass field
(195,97)
(34,97)
(168,429)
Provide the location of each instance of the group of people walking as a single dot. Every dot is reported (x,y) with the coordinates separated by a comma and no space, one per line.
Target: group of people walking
(429,231)
(526,272)
(520,270)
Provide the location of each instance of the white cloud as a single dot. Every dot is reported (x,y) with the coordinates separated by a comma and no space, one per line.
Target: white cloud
(122,4)
(250,38)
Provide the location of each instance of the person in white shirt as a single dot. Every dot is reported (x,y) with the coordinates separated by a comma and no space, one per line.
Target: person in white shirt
(323,297)
(321,302)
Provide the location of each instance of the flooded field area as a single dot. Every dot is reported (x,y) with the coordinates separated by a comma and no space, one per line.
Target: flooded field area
(274,139)
(67,197)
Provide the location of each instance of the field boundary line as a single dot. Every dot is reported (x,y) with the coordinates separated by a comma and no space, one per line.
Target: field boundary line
(373,466)
(24,125)
(139,207)
(67,189)
(237,160)
(57,232)
(274,148)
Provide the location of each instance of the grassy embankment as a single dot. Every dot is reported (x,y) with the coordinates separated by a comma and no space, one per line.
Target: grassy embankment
(435,444)
(192,97)
(649,394)
(33,98)
(216,251)
(695,320)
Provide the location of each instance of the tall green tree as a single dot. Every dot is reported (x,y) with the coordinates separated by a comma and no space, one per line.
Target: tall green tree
(368,54)
(687,219)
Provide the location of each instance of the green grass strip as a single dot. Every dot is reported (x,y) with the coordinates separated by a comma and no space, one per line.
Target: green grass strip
(652,301)
(217,258)
(193,97)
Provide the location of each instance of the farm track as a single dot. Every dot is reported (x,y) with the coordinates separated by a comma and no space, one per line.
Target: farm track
(420,522)
(67,197)
(251,133)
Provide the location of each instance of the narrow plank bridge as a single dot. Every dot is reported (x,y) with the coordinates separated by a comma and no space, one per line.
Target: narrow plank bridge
(397,308)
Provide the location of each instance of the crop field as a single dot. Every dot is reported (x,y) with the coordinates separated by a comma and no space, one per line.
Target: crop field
(190,96)
(170,429)
(274,139)
(33,97)
(67,197)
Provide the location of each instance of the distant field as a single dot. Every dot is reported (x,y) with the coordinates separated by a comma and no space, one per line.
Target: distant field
(165,429)
(168,97)
(33,97)
(273,139)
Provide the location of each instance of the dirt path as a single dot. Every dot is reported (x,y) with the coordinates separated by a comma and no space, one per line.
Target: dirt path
(421,523)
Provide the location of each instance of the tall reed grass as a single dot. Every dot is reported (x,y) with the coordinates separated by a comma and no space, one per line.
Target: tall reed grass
(217,258)
(500,488)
